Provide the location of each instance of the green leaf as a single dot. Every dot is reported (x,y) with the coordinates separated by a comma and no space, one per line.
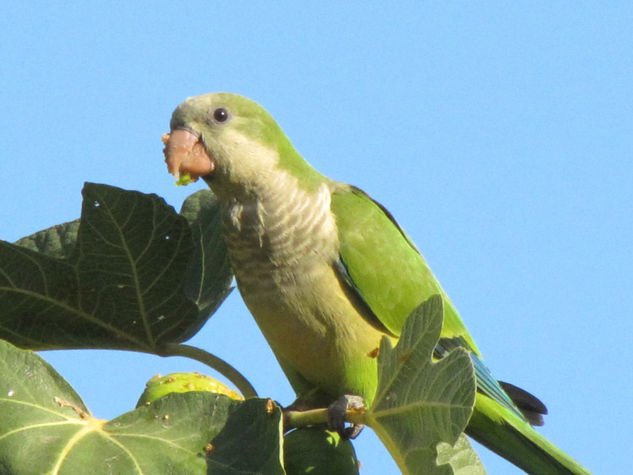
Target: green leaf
(45,428)
(209,273)
(461,457)
(57,241)
(420,403)
(120,278)
(315,451)
(250,442)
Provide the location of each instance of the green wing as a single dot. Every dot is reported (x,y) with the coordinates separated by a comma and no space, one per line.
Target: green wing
(388,278)
(381,264)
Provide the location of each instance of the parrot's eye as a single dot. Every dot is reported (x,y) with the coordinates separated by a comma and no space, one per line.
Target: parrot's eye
(221,114)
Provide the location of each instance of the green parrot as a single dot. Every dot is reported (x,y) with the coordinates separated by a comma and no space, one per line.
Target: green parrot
(327,272)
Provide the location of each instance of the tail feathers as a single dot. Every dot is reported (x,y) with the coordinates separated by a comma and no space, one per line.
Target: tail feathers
(506,434)
(530,406)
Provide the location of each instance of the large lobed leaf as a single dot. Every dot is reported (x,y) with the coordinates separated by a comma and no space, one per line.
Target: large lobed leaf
(129,274)
(46,428)
(420,403)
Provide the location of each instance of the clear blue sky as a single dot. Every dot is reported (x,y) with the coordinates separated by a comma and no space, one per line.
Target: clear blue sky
(500,136)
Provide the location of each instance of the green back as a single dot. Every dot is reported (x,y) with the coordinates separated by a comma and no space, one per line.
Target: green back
(384,267)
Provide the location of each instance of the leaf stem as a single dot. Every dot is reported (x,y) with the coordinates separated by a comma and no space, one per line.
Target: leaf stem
(218,364)
(295,419)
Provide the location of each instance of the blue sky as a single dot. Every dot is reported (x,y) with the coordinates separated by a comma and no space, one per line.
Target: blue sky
(499,135)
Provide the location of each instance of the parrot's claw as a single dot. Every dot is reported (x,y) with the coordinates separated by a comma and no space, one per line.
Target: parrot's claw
(337,412)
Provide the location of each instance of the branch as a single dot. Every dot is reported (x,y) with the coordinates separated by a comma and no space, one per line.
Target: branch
(218,364)
(296,419)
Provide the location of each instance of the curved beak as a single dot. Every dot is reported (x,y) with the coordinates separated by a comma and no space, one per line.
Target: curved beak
(185,154)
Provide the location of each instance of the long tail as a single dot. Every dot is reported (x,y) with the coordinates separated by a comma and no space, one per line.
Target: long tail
(508,435)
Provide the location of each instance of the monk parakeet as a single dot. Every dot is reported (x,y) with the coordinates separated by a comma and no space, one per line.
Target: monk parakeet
(327,272)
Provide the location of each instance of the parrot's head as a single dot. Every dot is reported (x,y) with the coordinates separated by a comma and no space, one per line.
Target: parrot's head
(228,140)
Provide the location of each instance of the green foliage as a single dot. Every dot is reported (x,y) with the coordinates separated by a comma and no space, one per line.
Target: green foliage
(209,274)
(461,457)
(132,280)
(45,428)
(134,274)
(250,442)
(420,403)
(328,453)
(160,386)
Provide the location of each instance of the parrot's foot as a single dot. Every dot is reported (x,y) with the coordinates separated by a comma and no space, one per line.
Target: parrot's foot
(337,412)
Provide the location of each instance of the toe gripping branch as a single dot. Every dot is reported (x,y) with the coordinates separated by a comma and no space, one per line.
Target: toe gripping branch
(337,414)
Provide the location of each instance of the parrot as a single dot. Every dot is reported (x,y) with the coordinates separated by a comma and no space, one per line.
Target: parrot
(327,272)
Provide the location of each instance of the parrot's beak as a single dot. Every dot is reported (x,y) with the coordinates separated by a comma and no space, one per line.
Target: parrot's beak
(186,155)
